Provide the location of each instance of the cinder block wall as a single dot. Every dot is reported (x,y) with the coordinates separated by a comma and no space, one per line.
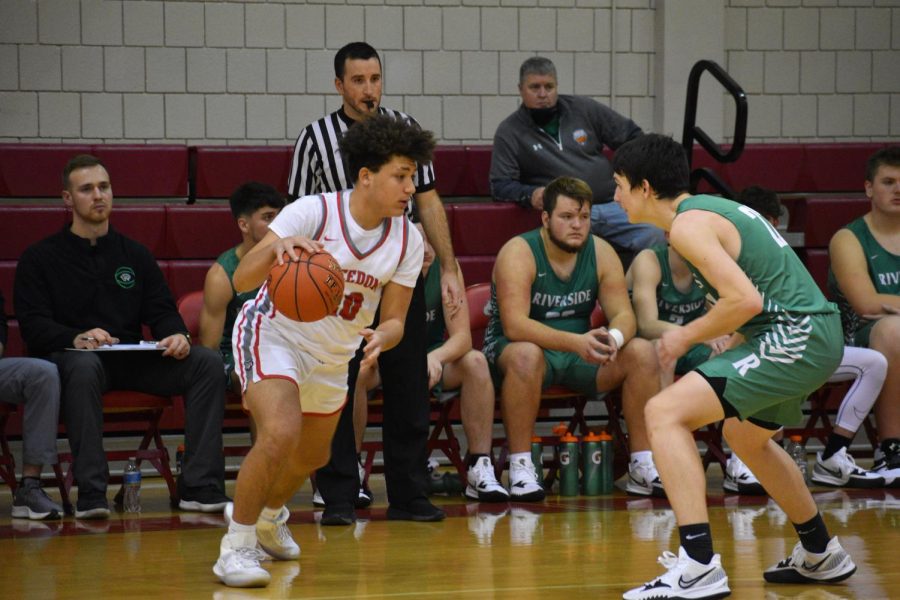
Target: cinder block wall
(246,72)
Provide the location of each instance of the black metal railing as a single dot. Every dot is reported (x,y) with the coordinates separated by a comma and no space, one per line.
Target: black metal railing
(693,132)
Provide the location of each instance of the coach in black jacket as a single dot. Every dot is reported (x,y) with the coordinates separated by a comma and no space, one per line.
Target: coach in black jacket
(89,287)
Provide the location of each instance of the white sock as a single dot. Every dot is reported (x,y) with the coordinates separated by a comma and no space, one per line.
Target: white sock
(643,457)
(516,456)
(243,536)
(270,514)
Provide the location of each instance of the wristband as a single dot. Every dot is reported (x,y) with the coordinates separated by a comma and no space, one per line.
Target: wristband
(617,335)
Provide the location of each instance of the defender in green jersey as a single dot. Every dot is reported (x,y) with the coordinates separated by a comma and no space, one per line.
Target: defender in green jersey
(545,285)
(865,278)
(757,287)
(253,206)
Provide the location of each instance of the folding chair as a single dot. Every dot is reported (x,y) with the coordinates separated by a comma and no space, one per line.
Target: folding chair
(136,409)
(7,460)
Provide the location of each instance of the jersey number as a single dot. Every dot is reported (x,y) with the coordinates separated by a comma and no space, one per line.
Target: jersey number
(772,231)
(352,303)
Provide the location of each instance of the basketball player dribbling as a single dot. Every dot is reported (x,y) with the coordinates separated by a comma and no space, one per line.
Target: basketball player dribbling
(294,375)
(790,343)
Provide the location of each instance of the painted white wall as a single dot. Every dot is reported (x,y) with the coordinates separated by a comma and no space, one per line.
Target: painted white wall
(247,72)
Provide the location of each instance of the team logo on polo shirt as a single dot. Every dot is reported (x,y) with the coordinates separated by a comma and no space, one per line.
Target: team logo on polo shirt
(125,277)
(580,136)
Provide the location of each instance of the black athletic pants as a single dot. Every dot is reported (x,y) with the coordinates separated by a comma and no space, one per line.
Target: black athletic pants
(404,376)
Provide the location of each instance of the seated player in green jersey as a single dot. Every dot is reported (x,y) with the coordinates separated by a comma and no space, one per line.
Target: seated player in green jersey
(453,367)
(546,284)
(792,343)
(253,206)
(865,281)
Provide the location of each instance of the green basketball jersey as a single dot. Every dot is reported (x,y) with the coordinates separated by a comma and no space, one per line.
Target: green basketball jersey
(564,305)
(229,262)
(788,291)
(673,305)
(884,271)
(434,309)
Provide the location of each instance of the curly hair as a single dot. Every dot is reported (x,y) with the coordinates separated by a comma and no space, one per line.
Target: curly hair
(373,142)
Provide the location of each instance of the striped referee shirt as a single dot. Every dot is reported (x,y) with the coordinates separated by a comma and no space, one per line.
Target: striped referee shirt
(317,166)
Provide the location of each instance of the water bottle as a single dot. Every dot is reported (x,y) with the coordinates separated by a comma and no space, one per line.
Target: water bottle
(591,459)
(132,481)
(537,458)
(179,459)
(798,453)
(606,463)
(568,465)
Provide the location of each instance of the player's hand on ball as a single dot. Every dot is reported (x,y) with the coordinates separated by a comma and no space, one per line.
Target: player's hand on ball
(372,350)
(287,246)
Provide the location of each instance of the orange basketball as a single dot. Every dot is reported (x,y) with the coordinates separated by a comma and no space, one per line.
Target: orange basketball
(309,289)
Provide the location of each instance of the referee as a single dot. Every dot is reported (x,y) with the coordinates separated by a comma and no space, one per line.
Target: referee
(317,167)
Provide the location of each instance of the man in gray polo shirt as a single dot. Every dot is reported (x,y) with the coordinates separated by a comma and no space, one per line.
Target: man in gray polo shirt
(552,135)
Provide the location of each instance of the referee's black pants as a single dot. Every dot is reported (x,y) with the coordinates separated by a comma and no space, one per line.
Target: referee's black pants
(404,377)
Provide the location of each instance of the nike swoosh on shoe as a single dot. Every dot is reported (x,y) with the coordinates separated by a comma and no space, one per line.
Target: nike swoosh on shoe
(689,583)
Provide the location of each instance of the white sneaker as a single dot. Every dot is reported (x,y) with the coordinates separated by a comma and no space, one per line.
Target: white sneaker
(482,483)
(643,480)
(801,566)
(523,483)
(318,501)
(275,537)
(840,470)
(684,578)
(238,566)
(887,469)
(739,479)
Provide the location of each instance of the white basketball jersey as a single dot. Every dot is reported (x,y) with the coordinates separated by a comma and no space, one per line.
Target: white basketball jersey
(393,251)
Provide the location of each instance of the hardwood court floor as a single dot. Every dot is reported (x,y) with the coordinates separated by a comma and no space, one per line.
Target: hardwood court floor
(565,547)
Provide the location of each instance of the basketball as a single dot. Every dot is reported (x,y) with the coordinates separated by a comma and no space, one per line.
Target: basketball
(307,290)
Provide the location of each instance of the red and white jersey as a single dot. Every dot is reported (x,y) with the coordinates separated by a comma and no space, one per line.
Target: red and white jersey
(393,251)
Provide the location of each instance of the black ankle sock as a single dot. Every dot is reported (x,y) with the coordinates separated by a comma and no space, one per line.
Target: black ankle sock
(471,459)
(813,534)
(834,444)
(696,540)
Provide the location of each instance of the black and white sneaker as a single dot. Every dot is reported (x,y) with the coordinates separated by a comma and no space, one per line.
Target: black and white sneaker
(643,480)
(840,470)
(888,465)
(684,578)
(523,483)
(802,566)
(739,479)
(482,483)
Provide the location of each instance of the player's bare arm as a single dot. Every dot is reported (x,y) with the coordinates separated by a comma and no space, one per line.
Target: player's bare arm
(434,220)
(613,294)
(710,243)
(251,272)
(459,336)
(394,303)
(217,294)
(848,261)
(645,275)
